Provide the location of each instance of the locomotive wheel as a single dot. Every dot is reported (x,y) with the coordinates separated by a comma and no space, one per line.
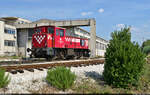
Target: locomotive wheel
(30,55)
(62,55)
(75,57)
(48,58)
(54,58)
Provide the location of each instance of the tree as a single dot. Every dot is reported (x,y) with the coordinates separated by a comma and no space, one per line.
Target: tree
(146,46)
(124,60)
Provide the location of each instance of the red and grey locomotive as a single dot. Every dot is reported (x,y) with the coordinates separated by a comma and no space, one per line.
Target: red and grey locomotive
(51,42)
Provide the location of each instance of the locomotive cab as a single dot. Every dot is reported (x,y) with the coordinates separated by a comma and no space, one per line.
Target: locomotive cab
(45,39)
(54,37)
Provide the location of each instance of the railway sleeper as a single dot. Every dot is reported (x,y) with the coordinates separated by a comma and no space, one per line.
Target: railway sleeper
(40,69)
(31,70)
(96,63)
(20,71)
(67,65)
(80,65)
(48,68)
(84,65)
(13,72)
(75,65)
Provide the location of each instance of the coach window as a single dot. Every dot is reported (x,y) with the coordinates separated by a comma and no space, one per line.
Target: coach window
(50,30)
(61,33)
(57,32)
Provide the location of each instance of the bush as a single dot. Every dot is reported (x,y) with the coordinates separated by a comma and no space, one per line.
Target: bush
(146,43)
(4,79)
(146,49)
(124,60)
(60,77)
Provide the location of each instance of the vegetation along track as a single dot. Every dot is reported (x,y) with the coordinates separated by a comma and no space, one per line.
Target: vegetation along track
(30,67)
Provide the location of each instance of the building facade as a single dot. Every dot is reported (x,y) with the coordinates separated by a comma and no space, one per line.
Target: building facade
(8,39)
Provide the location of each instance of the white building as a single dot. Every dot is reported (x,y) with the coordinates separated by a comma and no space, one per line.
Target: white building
(101,44)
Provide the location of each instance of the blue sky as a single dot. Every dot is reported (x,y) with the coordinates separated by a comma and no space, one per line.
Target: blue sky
(109,14)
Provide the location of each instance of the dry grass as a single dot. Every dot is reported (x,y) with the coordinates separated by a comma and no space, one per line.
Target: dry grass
(99,86)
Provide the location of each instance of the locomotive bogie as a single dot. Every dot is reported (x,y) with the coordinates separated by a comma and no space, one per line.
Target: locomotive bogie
(61,53)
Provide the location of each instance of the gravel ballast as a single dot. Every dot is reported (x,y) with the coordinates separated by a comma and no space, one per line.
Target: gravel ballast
(30,82)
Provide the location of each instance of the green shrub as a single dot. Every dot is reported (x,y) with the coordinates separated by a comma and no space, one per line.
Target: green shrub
(60,77)
(146,49)
(4,79)
(146,43)
(124,60)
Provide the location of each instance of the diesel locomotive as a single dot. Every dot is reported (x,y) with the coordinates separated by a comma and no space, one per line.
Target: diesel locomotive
(51,42)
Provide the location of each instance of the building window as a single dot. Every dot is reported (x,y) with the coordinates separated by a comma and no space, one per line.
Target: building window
(96,45)
(102,46)
(10,31)
(9,43)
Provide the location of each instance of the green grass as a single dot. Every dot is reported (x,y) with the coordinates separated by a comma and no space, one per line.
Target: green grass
(144,84)
(86,86)
(10,57)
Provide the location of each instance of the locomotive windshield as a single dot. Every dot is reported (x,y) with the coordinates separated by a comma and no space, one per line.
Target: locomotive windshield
(50,30)
(38,30)
(57,32)
(61,33)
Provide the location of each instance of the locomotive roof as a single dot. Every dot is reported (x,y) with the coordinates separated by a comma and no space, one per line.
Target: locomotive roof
(51,26)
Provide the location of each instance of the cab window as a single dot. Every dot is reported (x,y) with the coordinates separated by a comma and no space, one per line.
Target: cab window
(61,33)
(50,30)
(38,30)
(57,32)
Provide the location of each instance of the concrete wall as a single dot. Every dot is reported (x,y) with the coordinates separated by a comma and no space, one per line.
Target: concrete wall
(22,41)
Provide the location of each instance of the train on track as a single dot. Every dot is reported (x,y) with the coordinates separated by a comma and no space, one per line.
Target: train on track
(51,42)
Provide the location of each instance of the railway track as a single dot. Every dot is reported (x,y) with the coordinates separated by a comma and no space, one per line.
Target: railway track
(14,68)
(32,60)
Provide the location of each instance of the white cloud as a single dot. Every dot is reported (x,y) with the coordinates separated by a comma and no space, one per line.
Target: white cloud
(145,25)
(3,15)
(135,29)
(86,13)
(101,10)
(120,26)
